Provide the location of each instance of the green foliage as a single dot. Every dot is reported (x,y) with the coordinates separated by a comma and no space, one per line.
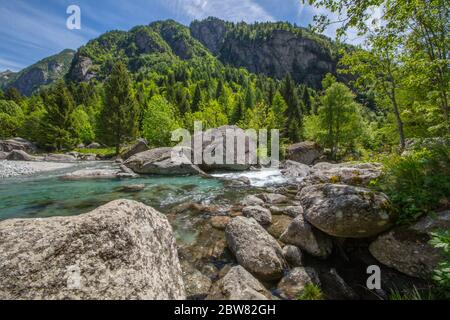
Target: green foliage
(119,116)
(441,241)
(338,122)
(82,125)
(159,122)
(106,152)
(417,183)
(58,126)
(408,295)
(311,292)
(33,128)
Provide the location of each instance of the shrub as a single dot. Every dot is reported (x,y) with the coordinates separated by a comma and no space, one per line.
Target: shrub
(311,292)
(441,240)
(418,183)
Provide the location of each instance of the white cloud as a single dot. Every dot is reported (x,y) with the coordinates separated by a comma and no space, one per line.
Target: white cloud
(231,10)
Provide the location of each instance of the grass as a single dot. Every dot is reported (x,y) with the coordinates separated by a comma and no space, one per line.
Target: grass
(101,151)
(311,292)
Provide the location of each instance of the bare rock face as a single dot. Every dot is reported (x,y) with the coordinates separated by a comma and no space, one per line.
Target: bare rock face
(122,250)
(238,284)
(304,152)
(407,250)
(346,211)
(81,69)
(255,249)
(159,161)
(294,283)
(301,234)
(279,53)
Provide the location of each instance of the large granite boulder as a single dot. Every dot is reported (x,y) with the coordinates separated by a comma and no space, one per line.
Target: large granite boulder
(140,146)
(217,140)
(346,211)
(196,284)
(301,234)
(160,161)
(407,248)
(305,152)
(17,144)
(122,250)
(255,249)
(345,173)
(238,284)
(20,155)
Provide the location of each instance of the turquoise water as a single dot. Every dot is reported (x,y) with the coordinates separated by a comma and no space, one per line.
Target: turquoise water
(48,195)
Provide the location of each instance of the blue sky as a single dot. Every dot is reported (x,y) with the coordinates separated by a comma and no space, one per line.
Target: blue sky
(31,30)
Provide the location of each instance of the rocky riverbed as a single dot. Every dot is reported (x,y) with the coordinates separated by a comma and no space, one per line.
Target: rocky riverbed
(262,233)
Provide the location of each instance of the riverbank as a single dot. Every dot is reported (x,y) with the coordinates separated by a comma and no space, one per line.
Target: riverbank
(10,169)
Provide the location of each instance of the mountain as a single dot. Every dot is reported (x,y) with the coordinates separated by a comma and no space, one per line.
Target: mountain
(39,74)
(143,47)
(273,49)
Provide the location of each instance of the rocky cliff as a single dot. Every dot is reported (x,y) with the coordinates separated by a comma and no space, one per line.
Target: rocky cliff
(41,73)
(273,49)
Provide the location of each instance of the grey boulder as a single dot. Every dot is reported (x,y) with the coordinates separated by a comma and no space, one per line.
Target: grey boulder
(346,211)
(407,249)
(260,214)
(238,284)
(160,161)
(255,249)
(302,234)
(122,250)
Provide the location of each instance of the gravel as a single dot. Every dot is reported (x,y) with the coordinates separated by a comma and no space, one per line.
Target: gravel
(20,168)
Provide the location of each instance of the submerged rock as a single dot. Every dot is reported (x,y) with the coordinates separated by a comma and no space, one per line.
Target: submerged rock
(346,211)
(252,200)
(238,284)
(301,234)
(219,222)
(196,284)
(91,174)
(294,283)
(255,249)
(122,250)
(407,249)
(133,188)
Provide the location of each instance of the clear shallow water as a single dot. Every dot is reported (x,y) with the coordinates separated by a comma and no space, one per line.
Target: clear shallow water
(45,194)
